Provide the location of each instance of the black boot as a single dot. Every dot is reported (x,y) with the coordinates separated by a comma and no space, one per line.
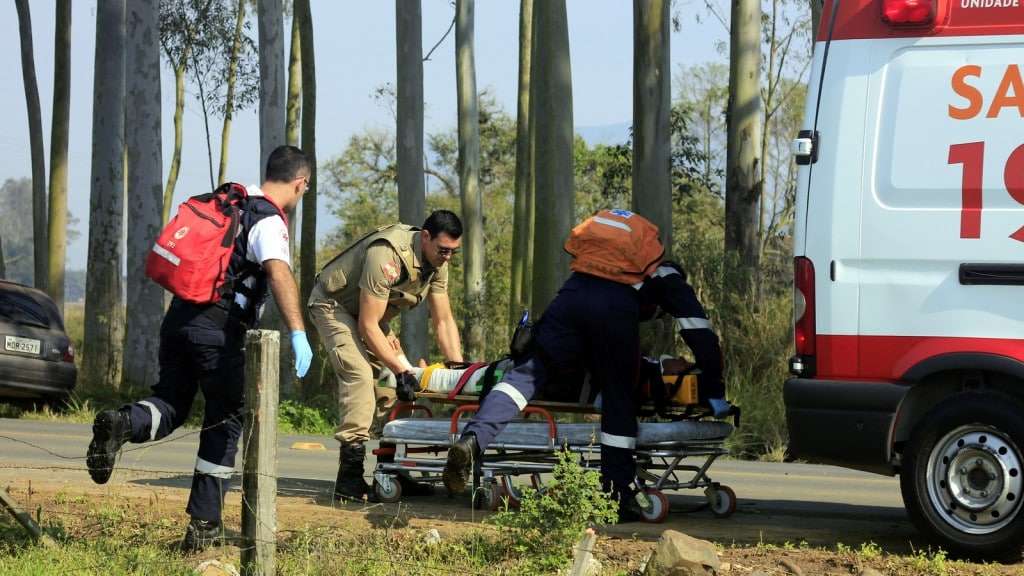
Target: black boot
(202,534)
(110,430)
(350,484)
(461,458)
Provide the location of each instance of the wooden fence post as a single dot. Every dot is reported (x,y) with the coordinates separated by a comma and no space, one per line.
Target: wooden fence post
(259,436)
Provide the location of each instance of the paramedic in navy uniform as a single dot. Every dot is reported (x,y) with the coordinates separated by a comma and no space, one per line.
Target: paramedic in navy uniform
(592,326)
(201,347)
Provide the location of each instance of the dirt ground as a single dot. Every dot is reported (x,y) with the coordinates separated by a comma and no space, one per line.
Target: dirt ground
(618,550)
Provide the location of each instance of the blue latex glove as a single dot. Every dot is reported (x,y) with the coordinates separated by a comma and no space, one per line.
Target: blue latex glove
(720,406)
(303,354)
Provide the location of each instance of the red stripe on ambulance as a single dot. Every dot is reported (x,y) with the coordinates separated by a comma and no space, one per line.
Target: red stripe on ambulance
(888,358)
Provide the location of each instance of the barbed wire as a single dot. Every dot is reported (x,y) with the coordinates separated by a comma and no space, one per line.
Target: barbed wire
(252,544)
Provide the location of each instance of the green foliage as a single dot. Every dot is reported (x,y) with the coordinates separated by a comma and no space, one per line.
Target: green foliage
(549,522)
(295,418)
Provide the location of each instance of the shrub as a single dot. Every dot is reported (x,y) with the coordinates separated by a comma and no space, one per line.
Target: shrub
(549,521)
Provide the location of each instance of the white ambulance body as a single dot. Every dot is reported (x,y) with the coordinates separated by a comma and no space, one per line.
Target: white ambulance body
(909,246)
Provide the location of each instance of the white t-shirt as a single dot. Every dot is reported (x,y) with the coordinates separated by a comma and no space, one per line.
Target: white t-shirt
(268,240)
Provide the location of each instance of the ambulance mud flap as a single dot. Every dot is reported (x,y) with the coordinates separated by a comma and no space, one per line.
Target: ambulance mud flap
(842,422)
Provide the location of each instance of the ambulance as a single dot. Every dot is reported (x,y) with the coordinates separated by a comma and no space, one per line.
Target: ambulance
(909,261)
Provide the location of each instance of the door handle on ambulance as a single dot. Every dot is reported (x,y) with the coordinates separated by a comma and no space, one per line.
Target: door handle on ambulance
(992,274)
(805,147)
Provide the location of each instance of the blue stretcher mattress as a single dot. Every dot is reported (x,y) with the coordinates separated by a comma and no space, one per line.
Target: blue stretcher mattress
(535,432)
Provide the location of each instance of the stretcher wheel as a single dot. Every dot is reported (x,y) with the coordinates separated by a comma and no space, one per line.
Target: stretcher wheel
(514,492)
(389,491)
(722,500)
(489,496)
(658,509)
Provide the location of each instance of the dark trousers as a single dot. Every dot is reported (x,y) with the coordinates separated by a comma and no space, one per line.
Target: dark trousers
(592,327)
(194,359)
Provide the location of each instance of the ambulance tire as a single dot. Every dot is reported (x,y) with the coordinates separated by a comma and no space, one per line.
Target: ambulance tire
(962,476)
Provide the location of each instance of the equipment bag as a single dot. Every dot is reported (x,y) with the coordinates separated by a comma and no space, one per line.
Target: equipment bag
(617,245)
(191,256)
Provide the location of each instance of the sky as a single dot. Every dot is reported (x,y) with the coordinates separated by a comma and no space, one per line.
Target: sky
(355,54)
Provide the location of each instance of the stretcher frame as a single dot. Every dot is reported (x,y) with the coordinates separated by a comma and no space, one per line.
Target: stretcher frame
(660,466)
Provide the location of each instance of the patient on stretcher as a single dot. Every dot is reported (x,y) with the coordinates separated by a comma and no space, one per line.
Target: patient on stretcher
(668,387)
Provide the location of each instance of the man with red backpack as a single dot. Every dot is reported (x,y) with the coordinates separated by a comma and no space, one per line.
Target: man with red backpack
(592,327)
(218,256)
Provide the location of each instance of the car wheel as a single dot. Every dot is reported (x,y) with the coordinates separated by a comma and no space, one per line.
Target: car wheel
(963,475)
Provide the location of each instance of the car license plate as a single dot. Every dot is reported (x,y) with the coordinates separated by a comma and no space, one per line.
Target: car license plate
(24,345)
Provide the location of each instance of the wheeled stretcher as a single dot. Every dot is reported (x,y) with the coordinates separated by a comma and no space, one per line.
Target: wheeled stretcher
(672,455)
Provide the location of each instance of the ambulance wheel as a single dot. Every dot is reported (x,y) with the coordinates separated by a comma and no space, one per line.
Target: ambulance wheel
(962,476)
(389,491)
(658,509)
(721,500)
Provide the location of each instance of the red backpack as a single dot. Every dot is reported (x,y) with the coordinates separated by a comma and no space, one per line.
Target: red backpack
(191,256)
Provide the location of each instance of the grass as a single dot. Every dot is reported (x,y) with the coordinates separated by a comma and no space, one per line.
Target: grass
(133,537)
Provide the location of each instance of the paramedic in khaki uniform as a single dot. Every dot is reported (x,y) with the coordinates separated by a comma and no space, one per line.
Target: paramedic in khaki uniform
(356,294)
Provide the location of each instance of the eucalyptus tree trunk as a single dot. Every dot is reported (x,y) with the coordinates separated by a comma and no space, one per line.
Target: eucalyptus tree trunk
(652,102)
(469,180)
(35,138)
(273,113)
(145,174)
(229,101)
(308,267)
(815,21)
(411,189)
(57,207)
(522,218)
(742,167)
(551,94)
(179,120)
(293,112)
(272,77)
(104,315)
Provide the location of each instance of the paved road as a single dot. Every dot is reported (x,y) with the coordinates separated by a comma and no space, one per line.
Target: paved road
(778,503)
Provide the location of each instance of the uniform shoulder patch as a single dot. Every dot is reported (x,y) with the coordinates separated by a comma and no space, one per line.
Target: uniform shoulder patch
(390,270)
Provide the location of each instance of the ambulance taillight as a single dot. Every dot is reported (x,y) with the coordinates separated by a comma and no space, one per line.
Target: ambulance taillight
(908,12)
(803,315)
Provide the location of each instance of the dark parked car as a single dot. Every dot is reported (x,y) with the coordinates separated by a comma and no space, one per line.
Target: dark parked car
(37,360)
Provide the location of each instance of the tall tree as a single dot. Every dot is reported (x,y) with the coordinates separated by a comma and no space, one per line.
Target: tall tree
(409,140)
(273,117)
(522,220)
(104,315)
(57,207)
(178,37)
(743,154)
(294,109)
(469,179)
(145,186)
(272,78)
(232,77)
(551,96)
(815,21)
(652,101)
(35,137)
(308,266)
